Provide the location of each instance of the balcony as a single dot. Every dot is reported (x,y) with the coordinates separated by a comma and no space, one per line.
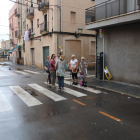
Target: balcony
(17,34)
(31,33)
(17,12)
(11,41)
(43,6)
(30,13)
(110,13)
(44,28)
(11,26)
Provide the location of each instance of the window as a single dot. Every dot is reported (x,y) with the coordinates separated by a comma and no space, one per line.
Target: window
(39,1)
(23,25)
(32,26)
(37,23)
(27,26)
(73,17)
(92,48)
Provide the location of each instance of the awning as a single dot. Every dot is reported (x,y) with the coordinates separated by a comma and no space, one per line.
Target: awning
(14,48)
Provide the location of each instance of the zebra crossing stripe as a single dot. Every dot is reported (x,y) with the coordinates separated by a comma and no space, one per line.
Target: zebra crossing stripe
(1,74)
(32,72)
(72,92)
(24,73)
(87,88)
(25,96)
(47,92)
(4,104)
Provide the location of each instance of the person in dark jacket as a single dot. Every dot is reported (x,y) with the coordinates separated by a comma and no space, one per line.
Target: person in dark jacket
(47,67)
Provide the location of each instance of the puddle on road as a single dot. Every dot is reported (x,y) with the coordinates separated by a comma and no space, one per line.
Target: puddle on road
(30,91)
(27,77)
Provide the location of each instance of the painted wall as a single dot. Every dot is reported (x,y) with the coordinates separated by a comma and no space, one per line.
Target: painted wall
(13,21)
(122,52)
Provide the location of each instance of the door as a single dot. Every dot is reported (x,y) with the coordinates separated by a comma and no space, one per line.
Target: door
(45,22)
(33,56)
(45,53)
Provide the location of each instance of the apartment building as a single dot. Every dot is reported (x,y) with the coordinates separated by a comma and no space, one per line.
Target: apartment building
(12,29)
(5,48)
(54,24)
(120,21)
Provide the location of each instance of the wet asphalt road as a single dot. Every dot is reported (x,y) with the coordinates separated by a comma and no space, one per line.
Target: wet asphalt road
(104,116)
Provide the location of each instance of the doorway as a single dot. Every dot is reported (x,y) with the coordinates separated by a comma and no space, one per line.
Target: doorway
(33,56)
(45,53)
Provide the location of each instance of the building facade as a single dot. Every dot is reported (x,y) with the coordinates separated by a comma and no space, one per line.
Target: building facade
(5,48)
(53,24)
(120,21)
(12,35)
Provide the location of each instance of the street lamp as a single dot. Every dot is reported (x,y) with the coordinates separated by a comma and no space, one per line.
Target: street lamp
(77,35)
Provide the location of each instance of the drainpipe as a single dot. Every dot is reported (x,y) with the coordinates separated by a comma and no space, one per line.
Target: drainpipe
(61,23)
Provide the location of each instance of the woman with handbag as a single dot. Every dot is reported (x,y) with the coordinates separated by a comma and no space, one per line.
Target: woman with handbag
(83,71)
(73,65)
(52,70)
(60,72)
(47,67)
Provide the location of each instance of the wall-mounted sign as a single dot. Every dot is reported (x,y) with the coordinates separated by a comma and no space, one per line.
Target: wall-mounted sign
(101,33)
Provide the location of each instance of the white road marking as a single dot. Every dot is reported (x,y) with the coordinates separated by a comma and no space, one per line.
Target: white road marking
(32,72)
(47,92)
(68,77)
(24,73)
(4,104)
(25,96)
(1,74)
(84,88)
(91,76)
(72,92)
(13,73)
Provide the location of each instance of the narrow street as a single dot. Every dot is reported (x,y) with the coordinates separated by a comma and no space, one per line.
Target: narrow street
(32,110)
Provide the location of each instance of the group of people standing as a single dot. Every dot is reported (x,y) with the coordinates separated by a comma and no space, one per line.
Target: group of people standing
(57,66)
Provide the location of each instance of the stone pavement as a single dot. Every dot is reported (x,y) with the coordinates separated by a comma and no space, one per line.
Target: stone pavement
(117,87)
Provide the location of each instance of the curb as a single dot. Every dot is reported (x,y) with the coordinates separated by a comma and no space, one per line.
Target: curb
(117,92)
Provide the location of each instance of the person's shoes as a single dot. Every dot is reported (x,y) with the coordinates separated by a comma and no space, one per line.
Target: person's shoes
(58,88)
(62,89)
(76,83)
(73,83)
(85,84)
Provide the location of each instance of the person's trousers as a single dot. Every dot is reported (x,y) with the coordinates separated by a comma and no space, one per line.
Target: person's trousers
(53,76)
(60,81)
(49,77)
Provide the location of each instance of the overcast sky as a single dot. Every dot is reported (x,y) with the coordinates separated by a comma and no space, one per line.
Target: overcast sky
(5,6)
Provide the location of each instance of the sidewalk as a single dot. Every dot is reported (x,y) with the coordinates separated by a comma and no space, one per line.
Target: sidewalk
(125,89)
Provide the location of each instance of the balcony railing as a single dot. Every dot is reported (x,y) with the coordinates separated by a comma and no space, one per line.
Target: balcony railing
(110,8)
(11,41)
(11,26)
(44,5)
(44,27)
(17,34)
(30,13)
(17,12)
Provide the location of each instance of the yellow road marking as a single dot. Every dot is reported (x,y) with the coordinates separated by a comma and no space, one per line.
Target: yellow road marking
(116,119)
(87,98)
(79,102)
